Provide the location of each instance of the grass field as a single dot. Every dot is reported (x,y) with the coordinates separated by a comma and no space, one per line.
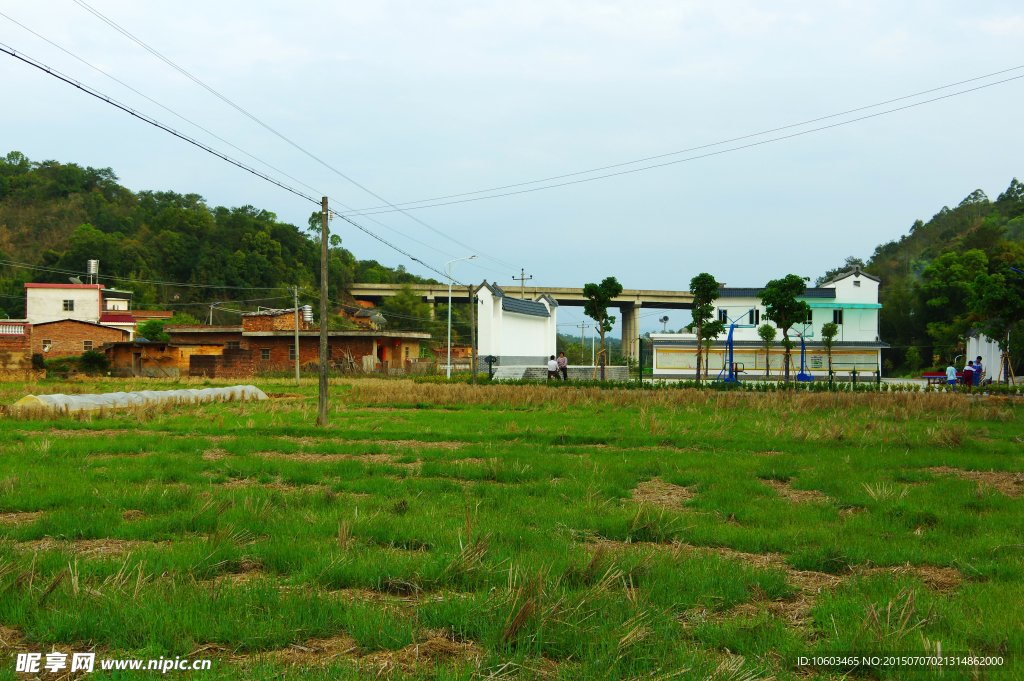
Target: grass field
(515,532)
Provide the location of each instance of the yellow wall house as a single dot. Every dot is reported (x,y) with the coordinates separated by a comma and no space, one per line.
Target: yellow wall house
(157,359)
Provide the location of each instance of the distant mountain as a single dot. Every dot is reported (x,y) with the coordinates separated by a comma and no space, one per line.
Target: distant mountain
(926,274)
(58,215)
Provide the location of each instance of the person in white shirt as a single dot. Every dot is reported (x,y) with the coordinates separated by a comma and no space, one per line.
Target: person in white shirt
(951,376)
(553,369)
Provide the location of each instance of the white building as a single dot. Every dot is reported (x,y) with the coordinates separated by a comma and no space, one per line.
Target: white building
(515,331)
(980,345)
(849,299)
(84,302)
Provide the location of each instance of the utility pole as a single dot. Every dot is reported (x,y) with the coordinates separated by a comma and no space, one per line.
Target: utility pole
(295,291)
(321,417)
(522,279)
(472,332)
(583,341)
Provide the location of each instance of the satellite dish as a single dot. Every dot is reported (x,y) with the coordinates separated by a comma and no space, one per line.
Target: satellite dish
(74,280)
(378,319)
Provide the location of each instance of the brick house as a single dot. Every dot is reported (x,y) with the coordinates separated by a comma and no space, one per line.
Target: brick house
(69,337)
(16,351)
(158,359)
(269,339)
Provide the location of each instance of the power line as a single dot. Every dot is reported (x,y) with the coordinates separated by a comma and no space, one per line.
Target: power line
(148,119)
(376,210)
(256,120)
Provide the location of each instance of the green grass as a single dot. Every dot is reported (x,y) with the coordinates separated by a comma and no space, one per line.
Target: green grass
(538,533)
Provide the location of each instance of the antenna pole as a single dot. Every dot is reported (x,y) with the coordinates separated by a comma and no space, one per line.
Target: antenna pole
(321,418)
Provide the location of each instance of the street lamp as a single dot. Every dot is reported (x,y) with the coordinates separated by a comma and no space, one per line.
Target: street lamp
(448,267)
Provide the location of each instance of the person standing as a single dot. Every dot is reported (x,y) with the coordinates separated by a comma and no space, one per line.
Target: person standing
(979,372)
(552,368)
(563,366)
(969,374)
(951,376)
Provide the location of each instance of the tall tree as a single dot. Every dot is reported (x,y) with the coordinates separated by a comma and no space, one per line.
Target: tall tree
(767,334)
(599,296)
(705,292)
(999,301)
(779,298)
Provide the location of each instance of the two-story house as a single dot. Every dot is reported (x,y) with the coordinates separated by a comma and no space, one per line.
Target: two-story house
(850,299)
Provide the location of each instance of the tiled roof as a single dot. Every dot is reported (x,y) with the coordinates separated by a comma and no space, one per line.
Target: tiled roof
(754,292)
(117,319)
(520,306)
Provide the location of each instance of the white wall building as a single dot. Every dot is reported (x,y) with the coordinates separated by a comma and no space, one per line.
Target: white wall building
(515,331)
(84,302)
(849,299)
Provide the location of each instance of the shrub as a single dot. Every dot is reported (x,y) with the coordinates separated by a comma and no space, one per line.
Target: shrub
(37,361)
(93,361)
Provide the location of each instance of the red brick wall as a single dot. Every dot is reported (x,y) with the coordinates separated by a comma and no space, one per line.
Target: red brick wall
(181,334)
(16,351)
(68,337)
(309,350)
(281,322)
(232,364)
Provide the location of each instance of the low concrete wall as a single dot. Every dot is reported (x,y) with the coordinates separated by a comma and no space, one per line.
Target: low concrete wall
(540,373)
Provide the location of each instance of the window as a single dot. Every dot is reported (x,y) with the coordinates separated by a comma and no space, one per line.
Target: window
(69,306)
(234,345)
(406,353)
(837,316)
(46,345)
(265,354)
(754,317)
(87,345)
(723,316)
(291,353)
(856,283)
(810,316)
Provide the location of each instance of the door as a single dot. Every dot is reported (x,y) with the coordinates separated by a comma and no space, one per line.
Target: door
(136,363)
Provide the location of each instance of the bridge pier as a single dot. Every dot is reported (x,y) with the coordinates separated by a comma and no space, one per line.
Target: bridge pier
(630,330)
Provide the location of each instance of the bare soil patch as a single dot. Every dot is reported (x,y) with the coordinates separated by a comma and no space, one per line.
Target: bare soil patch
(315,651)
(242,483)
(389,459)
(1004,482)
(796,496)
(659,493)
(437,649)
(20,518)
(10,639)
(132,514)
(383,443)
(88,547)
(215,454)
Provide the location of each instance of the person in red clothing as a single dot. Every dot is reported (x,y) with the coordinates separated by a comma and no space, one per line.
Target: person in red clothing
(969,374)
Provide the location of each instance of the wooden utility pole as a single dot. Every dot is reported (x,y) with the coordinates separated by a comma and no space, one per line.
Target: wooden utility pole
(321,417)
(295,291)
(472,332)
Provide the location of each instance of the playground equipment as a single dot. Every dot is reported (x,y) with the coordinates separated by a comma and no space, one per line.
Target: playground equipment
(804,375)
(729,367)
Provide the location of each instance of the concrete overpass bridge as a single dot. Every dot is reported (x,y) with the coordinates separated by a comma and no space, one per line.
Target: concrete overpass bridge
(629,303)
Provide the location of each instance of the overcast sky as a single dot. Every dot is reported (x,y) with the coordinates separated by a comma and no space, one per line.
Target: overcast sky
(417,100)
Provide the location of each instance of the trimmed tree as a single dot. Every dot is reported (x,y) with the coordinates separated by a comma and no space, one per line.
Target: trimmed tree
(779,298)
(704,290)
(599,296)
(999,301)
(828,338)
(767,333)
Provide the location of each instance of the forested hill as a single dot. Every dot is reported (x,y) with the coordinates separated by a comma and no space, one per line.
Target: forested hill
(927,274)
(58,215)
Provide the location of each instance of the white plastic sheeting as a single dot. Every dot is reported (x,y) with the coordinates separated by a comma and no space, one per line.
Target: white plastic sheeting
(142,398)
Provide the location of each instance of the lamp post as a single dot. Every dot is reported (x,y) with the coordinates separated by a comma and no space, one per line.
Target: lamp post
(448,267)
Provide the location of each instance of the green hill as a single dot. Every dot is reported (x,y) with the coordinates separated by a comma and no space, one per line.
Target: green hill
(55,216)
(927,274)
